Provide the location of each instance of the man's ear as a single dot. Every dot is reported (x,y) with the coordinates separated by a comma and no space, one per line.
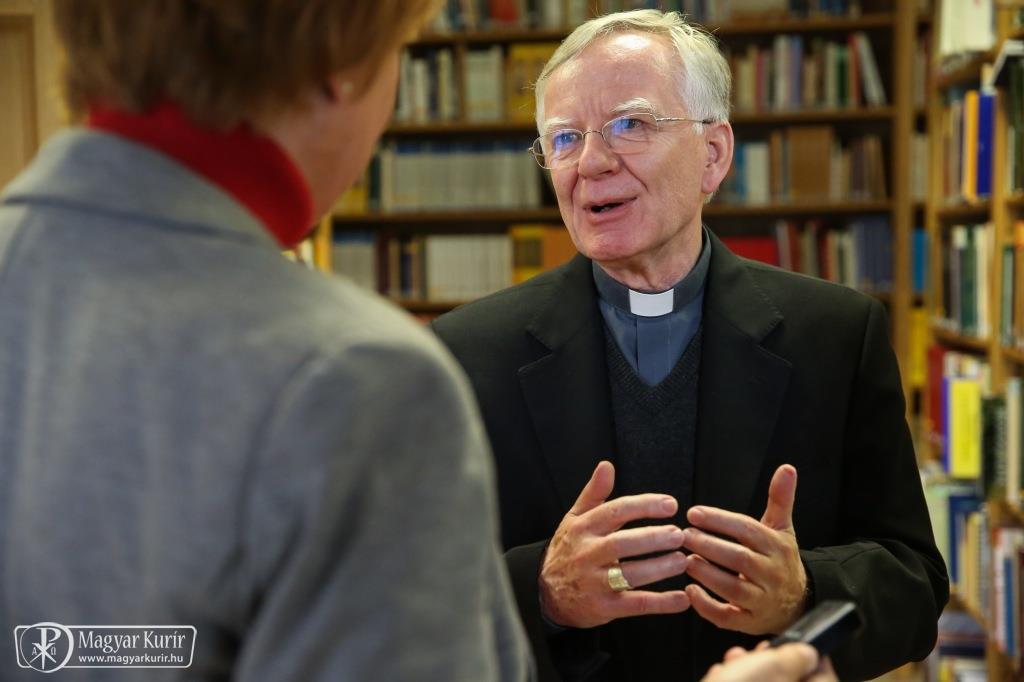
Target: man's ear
(719,140)
(337,88)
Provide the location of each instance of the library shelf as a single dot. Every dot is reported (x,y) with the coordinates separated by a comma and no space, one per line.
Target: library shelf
(449,217)
(964,211)
(1015,355)
(958,603)
(822,24)
(771,117)
(1005,514)
(463,128)
(962,341)
(797,208)
(813,115)
(1015,201)
(818,24)
(530,35)
(426,307)
(964,72)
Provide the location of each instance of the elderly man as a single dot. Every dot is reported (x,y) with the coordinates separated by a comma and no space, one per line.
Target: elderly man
(708,381)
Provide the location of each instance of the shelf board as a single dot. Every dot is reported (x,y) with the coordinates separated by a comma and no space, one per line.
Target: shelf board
(814,24)
(964,210)
(812,115)
(966,71)
(739,118)
(426,307)
(801,208)
(462,217)
(951,338)
(958,603)
(768,25)
(1013,354)
(528,128)
(1015,201)
(511,35)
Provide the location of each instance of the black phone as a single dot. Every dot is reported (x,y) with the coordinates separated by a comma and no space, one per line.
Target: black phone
(824,627)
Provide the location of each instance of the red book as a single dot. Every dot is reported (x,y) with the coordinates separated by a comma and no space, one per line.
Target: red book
(754,247)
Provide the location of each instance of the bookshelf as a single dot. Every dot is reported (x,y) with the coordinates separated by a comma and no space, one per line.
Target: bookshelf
(968,232)
(890,27)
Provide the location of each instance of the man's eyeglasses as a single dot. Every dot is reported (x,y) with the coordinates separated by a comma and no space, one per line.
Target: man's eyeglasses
(627,134)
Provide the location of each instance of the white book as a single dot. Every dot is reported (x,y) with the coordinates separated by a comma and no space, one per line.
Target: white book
(874,90)
(757,173)
(447,102)
(420,91)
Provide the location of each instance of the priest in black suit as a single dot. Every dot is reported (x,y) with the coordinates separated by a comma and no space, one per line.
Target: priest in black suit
(653,403)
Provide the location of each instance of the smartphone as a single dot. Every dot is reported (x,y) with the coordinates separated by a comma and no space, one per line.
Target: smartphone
(824,627)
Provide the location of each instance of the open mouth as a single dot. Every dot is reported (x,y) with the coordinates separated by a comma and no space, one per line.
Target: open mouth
(611,205)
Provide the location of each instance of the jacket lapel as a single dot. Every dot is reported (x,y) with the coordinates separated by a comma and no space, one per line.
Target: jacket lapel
(566,391)
(742,384)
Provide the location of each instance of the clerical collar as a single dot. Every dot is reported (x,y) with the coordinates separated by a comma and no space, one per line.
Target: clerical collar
(251,167)
(661,303)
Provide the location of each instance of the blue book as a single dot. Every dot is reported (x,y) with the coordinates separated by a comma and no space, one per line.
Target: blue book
(920,260)
(986,127)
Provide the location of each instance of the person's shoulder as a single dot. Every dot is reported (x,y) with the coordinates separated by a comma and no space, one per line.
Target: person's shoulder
(795,292)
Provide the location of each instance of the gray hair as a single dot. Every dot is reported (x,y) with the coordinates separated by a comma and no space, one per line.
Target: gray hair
(704,76)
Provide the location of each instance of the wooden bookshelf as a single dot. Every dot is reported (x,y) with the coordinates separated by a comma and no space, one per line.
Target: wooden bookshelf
(1014,355)
(941,216)
(814,24)
(960,341)
(812,116)
(453,217)
(964,211)
(814,208)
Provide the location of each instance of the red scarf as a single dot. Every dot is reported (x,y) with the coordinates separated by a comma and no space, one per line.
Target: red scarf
(248,166)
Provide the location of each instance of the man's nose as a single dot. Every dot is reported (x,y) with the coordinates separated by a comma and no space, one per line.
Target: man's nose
(596,157)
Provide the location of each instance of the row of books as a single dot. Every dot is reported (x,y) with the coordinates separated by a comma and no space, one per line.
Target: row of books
(1015,123)
(449,267)
(959,654)
(985,563)
(967,128)
(824,74)
(858,254)
(475,15)
(806,163)
(967,258)
(417,176)
(497,85)
(1011,291)
(977,432)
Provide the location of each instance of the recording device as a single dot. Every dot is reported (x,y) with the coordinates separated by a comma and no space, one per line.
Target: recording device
(824,627)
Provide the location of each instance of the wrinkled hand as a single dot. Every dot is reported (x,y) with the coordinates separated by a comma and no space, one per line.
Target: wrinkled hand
(758,572)
(573,581)
(788,663)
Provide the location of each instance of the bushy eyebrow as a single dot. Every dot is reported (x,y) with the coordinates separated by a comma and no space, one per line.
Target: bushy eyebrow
(637,104)
(553,124)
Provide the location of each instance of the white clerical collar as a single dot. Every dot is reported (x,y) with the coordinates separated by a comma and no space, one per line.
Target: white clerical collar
(651,305)
(661,303)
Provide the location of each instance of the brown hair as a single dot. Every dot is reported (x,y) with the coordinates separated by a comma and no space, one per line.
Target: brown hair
(223,60)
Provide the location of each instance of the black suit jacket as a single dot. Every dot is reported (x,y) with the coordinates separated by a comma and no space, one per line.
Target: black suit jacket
(793,370)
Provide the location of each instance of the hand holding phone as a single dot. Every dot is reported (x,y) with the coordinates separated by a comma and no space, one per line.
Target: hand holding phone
(824,627)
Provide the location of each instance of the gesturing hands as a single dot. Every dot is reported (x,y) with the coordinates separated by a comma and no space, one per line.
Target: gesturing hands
(574,589)
(764,583)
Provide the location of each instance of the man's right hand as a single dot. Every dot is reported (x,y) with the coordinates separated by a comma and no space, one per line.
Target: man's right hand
(574,589)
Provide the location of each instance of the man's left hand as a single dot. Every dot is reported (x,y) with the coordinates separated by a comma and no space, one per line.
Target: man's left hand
(758,572)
